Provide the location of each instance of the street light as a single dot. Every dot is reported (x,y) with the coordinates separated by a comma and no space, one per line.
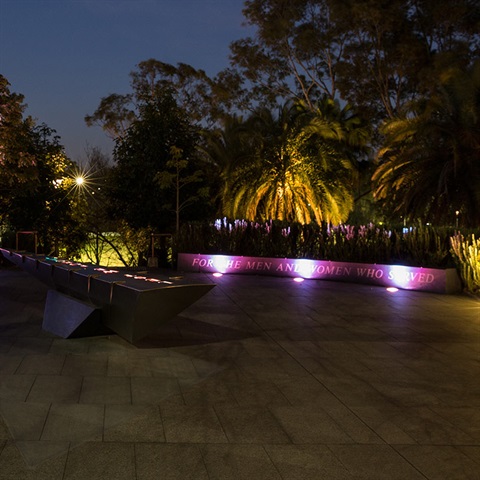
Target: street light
(80,180)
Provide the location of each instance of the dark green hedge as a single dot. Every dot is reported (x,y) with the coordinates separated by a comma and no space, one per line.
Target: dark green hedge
(425,246)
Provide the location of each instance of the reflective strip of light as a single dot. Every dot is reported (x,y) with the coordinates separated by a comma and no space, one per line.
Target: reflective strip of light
(104,270)
(146,279)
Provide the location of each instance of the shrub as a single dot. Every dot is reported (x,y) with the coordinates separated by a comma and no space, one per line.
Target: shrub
(466,252)
(418,246)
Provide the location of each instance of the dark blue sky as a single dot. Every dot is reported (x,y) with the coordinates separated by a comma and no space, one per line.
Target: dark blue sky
(65,55)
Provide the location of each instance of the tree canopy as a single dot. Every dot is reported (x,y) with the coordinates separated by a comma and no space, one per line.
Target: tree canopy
(191,89)
(346,63)
(296,165)
(145,156)
(429,167)
(36,180)
(375,55)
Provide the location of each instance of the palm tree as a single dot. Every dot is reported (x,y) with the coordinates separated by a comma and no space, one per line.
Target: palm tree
(429,167)
(300,168)
(227,148)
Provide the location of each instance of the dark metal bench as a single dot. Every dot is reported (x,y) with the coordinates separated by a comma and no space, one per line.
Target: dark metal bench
(84,299)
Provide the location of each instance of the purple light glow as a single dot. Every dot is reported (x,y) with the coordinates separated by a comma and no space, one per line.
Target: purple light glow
(398,276)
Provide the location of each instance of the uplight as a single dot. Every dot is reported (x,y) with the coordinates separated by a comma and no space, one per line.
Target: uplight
(218,274)
(298,279)
(392,289)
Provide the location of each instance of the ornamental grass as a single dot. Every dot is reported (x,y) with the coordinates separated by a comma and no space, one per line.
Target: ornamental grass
(466,253)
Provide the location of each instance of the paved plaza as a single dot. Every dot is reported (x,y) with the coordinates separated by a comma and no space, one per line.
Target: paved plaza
(263,378)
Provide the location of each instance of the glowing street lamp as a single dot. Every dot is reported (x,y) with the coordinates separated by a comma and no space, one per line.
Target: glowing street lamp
(80,180)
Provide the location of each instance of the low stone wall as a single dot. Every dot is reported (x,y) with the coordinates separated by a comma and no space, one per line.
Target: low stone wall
(409,278)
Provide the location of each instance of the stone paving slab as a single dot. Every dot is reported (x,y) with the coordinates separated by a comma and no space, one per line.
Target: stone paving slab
(263,378)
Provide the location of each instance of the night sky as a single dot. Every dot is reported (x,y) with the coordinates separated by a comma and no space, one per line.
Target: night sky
(65,55)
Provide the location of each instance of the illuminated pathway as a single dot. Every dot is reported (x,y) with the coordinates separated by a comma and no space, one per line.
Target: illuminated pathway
(262,378)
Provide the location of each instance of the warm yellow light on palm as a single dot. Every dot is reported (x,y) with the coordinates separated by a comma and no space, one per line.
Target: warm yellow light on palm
(79,180)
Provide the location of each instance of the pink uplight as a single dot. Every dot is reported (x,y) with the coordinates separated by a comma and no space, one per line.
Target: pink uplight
(298,279)
(104,270)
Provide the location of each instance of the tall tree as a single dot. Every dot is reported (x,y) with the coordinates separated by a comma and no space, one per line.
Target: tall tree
(36,179)
(228,148)
(137,191)
(430,165)
(377,55)
(17,158)
(299,169)
(378,69)
(181,177)
(293,53)
(395,47)
(115,114)
(192,90)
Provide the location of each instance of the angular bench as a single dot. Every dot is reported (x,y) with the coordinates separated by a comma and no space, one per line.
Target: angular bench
(85,299)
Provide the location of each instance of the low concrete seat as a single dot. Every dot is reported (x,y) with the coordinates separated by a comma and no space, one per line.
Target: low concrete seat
(86,299)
